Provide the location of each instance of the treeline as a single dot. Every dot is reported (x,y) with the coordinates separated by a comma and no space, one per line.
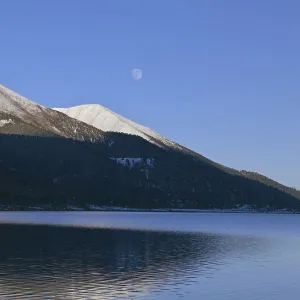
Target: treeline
(267,181)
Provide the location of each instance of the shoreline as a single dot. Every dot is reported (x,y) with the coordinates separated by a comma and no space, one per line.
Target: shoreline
(93,208)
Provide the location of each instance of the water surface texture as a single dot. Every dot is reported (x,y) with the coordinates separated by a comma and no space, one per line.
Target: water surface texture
(149,256)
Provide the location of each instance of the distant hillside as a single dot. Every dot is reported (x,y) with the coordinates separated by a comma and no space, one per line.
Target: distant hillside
(269,182)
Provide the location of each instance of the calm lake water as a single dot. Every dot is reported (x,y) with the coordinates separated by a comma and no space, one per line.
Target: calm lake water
(123,255)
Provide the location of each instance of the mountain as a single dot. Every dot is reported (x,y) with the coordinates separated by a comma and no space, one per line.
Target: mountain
(104,119)
(107,120)
(19,115)
(50,159)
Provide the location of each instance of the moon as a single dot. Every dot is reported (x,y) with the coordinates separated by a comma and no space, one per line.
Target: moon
(137,74)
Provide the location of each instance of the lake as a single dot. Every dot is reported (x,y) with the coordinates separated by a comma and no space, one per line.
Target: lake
(132,255)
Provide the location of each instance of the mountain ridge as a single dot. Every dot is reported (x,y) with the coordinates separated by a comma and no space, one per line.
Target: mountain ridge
(72,161)
(107,120)
(98,116)
(27,117)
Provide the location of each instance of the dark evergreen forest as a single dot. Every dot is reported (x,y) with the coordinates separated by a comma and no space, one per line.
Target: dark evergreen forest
(58,172)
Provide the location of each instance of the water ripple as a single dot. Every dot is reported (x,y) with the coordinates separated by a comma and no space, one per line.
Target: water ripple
(43,262)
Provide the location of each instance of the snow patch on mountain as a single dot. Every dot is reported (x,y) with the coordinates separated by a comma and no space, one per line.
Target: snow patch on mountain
(4,122)
(132,161)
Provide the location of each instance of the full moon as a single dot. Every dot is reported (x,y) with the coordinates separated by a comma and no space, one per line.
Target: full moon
(137,74)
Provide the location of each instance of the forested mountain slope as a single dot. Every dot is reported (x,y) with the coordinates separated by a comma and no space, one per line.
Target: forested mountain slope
(126,171)
(50,158)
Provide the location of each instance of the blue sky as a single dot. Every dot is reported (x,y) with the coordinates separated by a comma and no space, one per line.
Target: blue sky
(220,77)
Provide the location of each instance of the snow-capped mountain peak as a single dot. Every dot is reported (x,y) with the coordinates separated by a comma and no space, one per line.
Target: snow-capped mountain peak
(13,103)
(19,115)
(107,120)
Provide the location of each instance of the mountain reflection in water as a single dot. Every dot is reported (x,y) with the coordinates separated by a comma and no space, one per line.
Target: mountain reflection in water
(42,262)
